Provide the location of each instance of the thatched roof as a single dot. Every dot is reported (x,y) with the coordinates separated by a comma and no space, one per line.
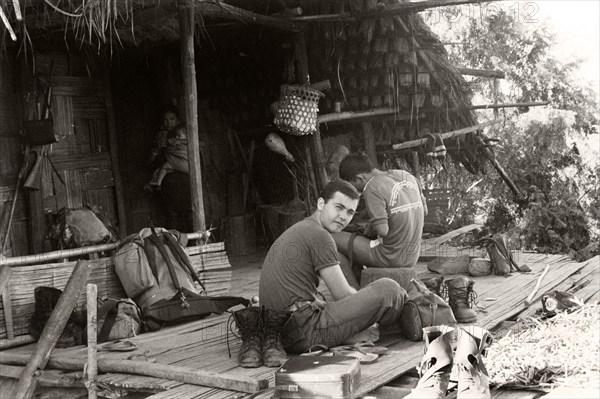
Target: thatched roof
(392,61)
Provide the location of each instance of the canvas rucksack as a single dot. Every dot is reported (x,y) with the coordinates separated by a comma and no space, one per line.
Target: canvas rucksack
(158,274)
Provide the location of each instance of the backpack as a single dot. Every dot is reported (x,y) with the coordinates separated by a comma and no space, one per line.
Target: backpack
(158,274)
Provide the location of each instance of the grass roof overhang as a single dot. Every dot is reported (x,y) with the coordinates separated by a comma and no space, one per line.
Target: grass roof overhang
(368,60)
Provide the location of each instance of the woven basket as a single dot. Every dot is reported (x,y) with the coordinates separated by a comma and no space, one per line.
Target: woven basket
(298,108)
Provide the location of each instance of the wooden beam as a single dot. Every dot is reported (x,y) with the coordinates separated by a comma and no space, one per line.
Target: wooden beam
(186,33)
(454,133)
(172,372)
(389,10)
(219,9)
(53,330)
(484,73)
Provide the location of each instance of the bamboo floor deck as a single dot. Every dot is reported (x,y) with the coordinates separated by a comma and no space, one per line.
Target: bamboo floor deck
(204,344)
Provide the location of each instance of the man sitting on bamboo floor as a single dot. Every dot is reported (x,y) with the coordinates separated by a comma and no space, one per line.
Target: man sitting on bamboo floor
(302,255)
(396,208)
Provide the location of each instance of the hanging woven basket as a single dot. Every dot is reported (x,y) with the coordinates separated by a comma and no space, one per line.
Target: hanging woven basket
(298,108)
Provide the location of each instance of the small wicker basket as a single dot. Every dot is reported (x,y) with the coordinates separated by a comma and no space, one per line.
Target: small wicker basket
(297,111)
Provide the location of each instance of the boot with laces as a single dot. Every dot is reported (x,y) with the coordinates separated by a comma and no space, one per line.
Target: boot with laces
(472,376)
(461,297)
(436,364)
(249,322)
(437,286)
(273,354)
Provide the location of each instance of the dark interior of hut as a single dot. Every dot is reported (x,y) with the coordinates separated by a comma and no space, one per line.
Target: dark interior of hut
(239,73)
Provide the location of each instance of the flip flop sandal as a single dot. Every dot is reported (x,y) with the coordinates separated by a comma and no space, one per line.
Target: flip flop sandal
(314,350)
(119,346)
(364,358)
(367,347)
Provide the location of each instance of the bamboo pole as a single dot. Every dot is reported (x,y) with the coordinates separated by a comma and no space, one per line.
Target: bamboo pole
(389,10)
(92,337)
(186,32)
(46,378)
(484,73)
(53,329)
(7,25)
(352,116)
(5,273)
(71,253)
(167,371)
(454,133)
(509,105)
(19,340)
(17,7)
(219,9)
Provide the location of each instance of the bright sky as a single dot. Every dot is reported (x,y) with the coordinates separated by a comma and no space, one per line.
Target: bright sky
(577,25)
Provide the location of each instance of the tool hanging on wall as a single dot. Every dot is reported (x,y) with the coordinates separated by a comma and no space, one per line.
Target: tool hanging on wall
(40,134)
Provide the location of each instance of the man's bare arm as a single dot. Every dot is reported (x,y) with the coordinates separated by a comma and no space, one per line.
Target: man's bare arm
(336,282)
(382,229)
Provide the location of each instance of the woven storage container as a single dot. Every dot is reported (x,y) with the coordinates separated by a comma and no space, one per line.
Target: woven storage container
(298,108)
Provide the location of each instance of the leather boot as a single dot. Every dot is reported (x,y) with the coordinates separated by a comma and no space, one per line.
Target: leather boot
(273,354)
(460,298)
(437,286)
(472,377)
(436,364)
(46,299)
(249,322)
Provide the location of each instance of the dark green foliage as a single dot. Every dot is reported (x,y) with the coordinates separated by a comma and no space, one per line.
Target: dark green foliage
(559,211)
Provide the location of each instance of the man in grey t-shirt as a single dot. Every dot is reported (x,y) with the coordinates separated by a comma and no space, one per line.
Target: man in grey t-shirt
(306,252)
(396,208)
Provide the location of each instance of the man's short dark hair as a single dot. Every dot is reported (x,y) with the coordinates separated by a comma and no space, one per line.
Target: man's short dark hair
(354,164)
(339,186)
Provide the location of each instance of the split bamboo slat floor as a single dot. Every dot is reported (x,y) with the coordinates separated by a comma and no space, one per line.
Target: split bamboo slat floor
(204,344)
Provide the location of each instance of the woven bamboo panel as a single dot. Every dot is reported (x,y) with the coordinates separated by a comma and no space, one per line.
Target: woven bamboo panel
(210,261)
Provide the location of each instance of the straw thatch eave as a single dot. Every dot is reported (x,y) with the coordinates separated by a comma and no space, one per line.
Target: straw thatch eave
(370,75)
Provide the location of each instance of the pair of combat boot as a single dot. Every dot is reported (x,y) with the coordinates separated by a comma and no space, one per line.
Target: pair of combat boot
(453,355)
(458,292)
(260,330)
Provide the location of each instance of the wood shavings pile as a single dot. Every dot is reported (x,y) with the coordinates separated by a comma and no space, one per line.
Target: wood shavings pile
(563,351)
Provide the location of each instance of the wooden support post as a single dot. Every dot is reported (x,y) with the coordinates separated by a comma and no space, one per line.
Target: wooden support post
(53,329)
(114,150)
(186,32)
(416,167)
(92,336)
(316,148)
(5,273)
(369,140)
